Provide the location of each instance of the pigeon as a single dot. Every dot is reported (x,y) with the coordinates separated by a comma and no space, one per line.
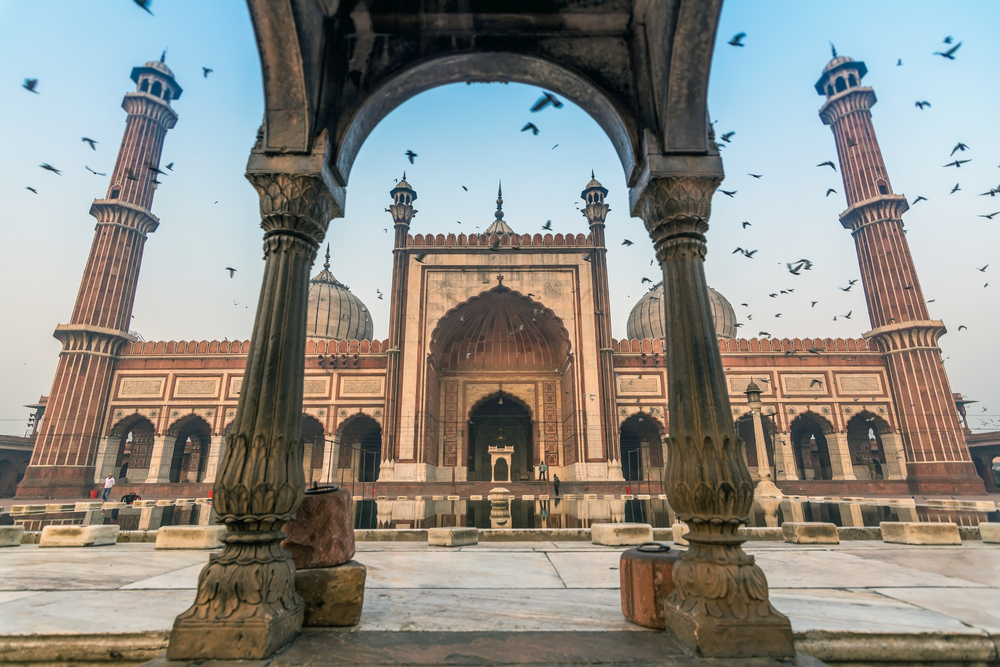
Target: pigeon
(726,137)
(231,271)
(28,187)
(950,53)
(530,126)
(957,163)
(545,100)
(764,333)
(829,164)
(379,295)
(547,226)
(959,147)
(30,85)
(96,173)
(921,105)
(627,242)
(646,280)
(982,270)
(411,155)
(899,63)
(990,216)
(145,5)
(757,176)
(206,71)
(728,193)
(48,167)
(737,39)
(555,147)
(745,224)
(420,258)
(586,257)
(170,166)
(962,326)
(830,191)
(89,141)
(918,199)
(813,304)
(955,189)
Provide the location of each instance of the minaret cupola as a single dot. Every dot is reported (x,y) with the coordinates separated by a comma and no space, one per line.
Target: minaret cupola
(155,79)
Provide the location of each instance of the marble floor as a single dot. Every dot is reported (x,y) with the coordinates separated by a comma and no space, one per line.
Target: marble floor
(517,587)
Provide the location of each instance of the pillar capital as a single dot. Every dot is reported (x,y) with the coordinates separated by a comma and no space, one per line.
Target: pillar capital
(294,205)
(675,210)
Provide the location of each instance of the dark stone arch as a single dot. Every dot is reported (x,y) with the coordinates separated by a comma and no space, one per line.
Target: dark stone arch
(313,435)
(641,444)
(864,440)
(189,456)
(135,434)
(360,448)
(501,418)
(8,478)
(809,445)
(744,428)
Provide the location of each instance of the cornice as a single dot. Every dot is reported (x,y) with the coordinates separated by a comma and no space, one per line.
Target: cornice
(123,214)
(871,211)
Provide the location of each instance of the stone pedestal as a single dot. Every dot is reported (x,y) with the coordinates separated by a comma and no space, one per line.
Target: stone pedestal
(333,596)
(322,533)
(647,578)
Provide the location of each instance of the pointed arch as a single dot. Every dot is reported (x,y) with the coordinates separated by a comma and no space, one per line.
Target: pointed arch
(811,450)
(192,438)
(864,441)
(640,438)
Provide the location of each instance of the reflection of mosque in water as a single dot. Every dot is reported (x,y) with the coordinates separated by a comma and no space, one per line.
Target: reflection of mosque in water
(499,357)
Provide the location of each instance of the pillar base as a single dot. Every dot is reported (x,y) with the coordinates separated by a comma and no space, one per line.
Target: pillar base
(956,478)
(245,639)
(711,637)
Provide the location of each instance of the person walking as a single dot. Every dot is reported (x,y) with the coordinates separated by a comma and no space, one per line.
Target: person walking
(543,471)
(555,483)
(108,483)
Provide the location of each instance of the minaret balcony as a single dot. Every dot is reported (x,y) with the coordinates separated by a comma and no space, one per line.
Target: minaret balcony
(123,214)
(844,103)
(874,210)
(904,336)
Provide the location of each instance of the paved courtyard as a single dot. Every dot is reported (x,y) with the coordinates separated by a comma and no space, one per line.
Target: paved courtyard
(834,595)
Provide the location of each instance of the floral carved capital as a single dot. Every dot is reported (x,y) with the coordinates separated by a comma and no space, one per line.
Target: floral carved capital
(675,211)
(295,204)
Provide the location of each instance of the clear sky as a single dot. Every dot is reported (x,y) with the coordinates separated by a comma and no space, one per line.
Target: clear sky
(82,54)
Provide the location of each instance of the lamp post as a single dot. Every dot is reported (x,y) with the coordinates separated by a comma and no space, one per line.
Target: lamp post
(765,485)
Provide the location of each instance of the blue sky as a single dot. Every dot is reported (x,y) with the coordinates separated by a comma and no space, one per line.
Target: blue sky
(82,54)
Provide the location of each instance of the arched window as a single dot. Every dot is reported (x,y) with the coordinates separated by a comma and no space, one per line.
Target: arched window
(841,86)
(851,81)
(883,187)
(144,86)
(829,89)
(166,94)
(115,191)
(157,89)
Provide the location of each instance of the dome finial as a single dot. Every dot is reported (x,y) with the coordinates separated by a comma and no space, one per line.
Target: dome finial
(833,50)
(326,264)
(499,213)
(163,56)
(404,174)
(592,175)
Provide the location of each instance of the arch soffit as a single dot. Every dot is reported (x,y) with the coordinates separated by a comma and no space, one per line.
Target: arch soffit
(804,418)
(127,423)
(507,396)
(876,422)
(767,421)
(188,422)
(356,417)
(635,416)
(449,323)
(306,417)
(415,78)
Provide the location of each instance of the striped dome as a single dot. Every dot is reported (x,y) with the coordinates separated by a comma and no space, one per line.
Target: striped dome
(646,318)
(334,312)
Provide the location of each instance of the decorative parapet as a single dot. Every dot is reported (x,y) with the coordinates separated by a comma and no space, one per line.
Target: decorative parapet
(481,240)
(762,345)
(241,347)
(636,346)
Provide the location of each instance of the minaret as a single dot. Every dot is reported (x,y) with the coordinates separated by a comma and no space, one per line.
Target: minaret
(937,458)
(402,212)
(596,211)
(62,464)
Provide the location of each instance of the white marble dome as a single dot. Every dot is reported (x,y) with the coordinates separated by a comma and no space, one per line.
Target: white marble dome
(334,312)
(647,320)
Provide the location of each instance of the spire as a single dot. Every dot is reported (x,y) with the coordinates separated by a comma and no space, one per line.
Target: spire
(498,226)
(326,264)
(163,56)
(833,50)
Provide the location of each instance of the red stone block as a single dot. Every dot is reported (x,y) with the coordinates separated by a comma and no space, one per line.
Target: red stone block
(647,577)
(322,533)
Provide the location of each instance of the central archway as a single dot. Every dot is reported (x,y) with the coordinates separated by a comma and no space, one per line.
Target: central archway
(500,421)
(812,452)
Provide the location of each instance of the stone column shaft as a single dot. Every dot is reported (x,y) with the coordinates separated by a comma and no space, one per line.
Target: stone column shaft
(840,456)
(246,606)
(159,460)
(763,463)
(719,606)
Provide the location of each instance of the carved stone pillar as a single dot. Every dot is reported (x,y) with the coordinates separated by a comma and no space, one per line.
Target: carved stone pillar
(719,606)
(216,448)
(159,462)
(840,456)
(246,606)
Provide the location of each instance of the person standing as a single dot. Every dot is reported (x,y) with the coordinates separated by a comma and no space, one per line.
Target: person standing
(108,483)
(555,483)
(543,471)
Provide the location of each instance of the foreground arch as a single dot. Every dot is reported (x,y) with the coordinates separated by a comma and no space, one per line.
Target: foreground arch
(332,70)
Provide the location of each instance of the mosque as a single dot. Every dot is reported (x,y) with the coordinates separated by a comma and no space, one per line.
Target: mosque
(499,357)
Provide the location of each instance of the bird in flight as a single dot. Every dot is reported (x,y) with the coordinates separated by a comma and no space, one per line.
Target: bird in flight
(957,163)
(830,191)
(645,280)
(96,173)
(231,271)
(130,175)
(727,136)
(848,315)
(829,164)
(918,199)
(28,187)
(757,176)
(411,155)
(420,258)
(728,193)
(144,4)
(990,216)
(921,105)
(170,166)
(955,189)
(950,53)
(530,126)
(156,170)
(627,242)
(764,333)
(379,292)
(899,63)
(992,193)
(737,39)
(89,141)
(555,147)
(746,253)
(48,167)
(846,289)
(30,85)
(545,100)
(982,270)
(745,224)
(959,147)
(206,71)
(547,226)
(962,326)
(813,304)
